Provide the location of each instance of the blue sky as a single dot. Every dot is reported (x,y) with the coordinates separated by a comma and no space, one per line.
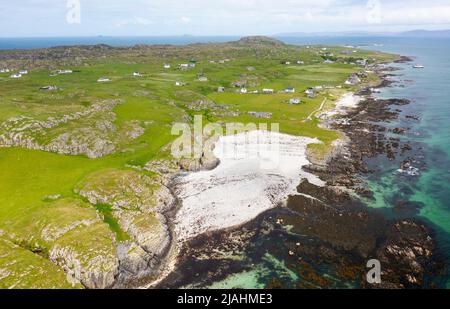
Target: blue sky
(30,18)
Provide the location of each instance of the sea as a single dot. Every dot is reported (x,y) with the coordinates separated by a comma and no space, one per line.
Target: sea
(428,89)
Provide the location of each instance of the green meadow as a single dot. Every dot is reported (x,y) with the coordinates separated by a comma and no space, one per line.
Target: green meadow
(30,178)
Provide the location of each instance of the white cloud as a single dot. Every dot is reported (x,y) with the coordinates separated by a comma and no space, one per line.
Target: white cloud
(134,21)
(185,19)
(133,17)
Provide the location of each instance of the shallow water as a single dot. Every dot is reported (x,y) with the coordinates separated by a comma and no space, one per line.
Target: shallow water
(430,94)
(429,90)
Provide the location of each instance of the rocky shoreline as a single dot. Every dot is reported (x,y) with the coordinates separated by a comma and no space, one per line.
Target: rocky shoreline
(326,235)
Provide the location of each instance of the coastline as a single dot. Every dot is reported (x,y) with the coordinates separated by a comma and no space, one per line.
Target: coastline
(407,247)
(257,170)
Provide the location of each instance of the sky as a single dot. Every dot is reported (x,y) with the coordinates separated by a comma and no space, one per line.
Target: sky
(46,18)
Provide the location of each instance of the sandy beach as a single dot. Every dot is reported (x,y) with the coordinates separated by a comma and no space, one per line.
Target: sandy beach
(342,106)
(258,170)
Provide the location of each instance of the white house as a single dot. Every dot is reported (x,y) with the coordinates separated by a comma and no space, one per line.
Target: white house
(203,79)
(221,89)
(243,90)
(294,101)
(137,74)
(23,72)
(362,62)
(16,76)
(353,80)
(64,71)
(167,66)
(328,61)
(103,80)
(178,83)
(310,93)
(268,91)
(300,62)
(4,71)
(49,88)
(183,66)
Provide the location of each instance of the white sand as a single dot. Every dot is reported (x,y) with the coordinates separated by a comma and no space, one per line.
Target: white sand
(258,170)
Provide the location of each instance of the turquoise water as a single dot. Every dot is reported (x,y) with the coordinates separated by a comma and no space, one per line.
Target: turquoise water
(430,91)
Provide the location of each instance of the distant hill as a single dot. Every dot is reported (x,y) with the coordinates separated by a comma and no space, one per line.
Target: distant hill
(260,40)
(427,33)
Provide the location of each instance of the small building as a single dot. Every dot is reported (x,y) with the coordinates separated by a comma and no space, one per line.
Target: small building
(310,93)
(289,90)
(243,90)
(16,76)
(64,72)
(300,62)
(203,79)
(353,80)
(268,91)
(23,72)
(221,89)
(328,61)
(183,66)
(295,101)
(103,80)
(137,74)
(4,71)
(362,62)
(317,88)
(49,88)
(178,83)
(167,66)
